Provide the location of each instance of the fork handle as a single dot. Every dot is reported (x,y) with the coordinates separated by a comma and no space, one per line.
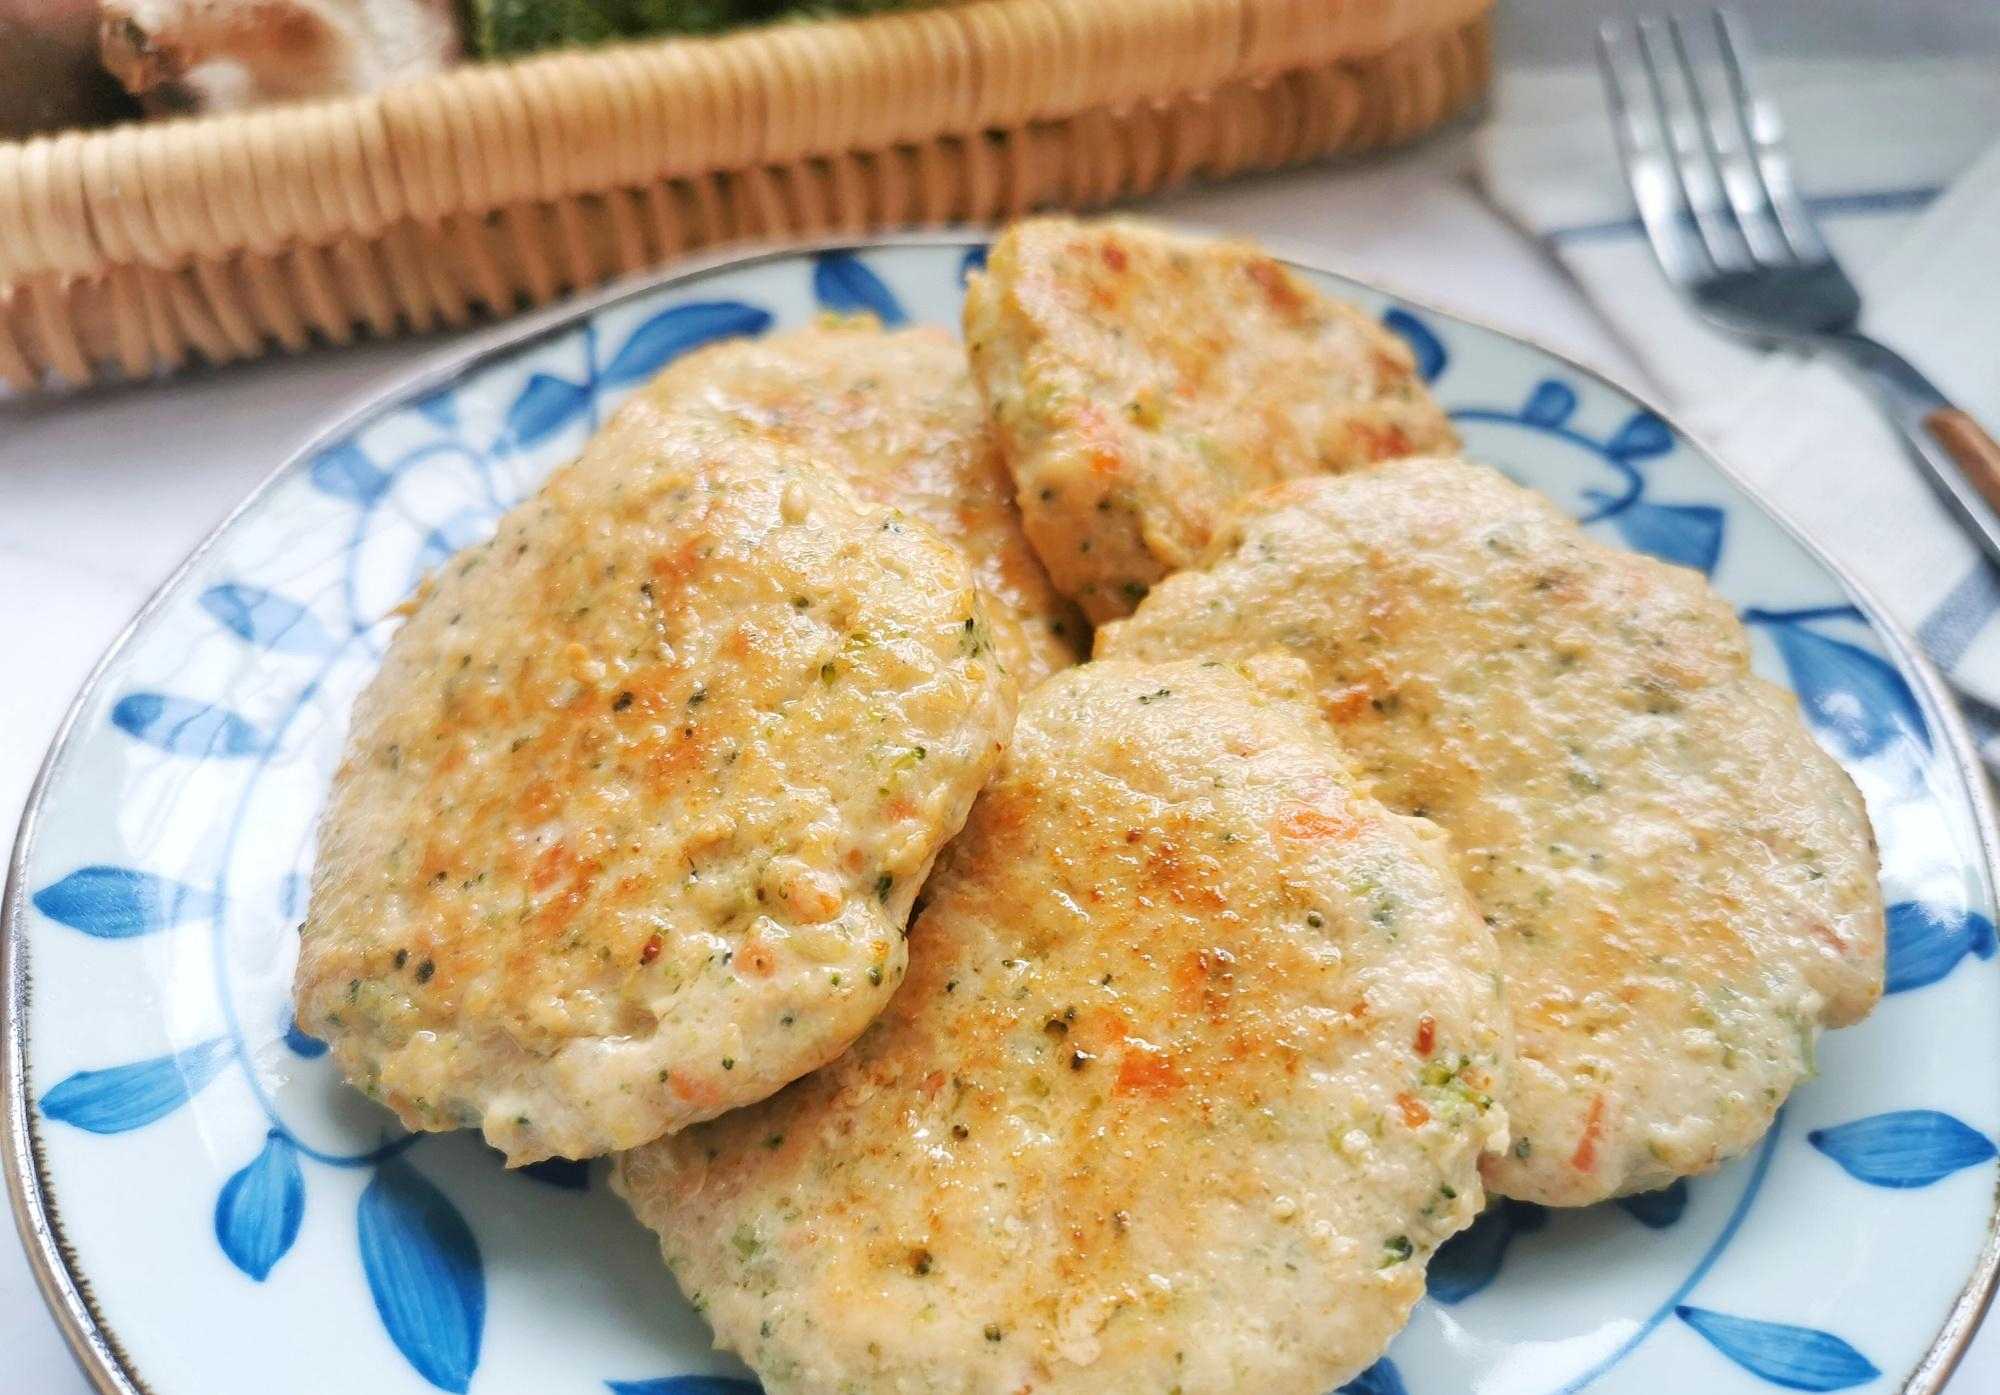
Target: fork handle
(1966,442)
(1960,458)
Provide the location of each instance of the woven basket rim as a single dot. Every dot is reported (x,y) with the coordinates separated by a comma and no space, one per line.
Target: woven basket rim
(66,199)
(1438,16)
(478,192)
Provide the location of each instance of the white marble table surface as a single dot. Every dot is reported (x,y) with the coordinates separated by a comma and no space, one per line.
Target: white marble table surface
(101,495)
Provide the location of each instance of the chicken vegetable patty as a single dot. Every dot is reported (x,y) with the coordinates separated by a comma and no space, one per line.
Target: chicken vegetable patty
(632,817)
(896,417)
(1142,381)
(1682,883)
(1192,1071)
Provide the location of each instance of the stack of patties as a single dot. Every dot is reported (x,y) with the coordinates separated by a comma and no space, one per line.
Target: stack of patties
(1208,1035)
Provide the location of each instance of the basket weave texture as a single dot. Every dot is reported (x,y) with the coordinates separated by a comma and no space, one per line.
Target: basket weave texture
(496,187)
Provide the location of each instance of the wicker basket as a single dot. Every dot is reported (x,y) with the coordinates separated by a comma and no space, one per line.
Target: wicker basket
(494,187)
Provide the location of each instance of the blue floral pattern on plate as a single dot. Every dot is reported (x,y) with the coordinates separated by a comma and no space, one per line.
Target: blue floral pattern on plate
(176,831)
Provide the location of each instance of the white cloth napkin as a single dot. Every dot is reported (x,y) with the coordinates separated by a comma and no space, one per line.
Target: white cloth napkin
(1891,159)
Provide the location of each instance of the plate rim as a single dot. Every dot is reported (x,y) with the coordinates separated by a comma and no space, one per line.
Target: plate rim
(66,1290)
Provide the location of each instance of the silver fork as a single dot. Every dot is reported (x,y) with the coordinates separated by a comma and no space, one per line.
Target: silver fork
(1704,154)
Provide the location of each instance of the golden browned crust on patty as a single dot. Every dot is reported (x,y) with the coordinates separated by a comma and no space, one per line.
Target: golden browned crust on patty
(630,820)
(1682,883)
(1191,1072)
(1142,381)
(896,416)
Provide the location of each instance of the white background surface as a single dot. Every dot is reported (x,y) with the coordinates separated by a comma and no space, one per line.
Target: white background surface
(100,496)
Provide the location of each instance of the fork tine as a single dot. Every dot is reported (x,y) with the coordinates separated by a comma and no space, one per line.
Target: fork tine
(1727,148)
(1681,113)
(1642,149)
(1764,136)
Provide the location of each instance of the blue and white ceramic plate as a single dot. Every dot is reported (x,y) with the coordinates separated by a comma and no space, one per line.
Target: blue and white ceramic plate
(213,1213)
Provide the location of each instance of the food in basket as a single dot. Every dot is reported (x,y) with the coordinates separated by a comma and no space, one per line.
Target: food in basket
(229,55)
(1682,883)
(1193,1069)
(1142,381)
(502,27)
(896,417)
(630,821)
(50,76)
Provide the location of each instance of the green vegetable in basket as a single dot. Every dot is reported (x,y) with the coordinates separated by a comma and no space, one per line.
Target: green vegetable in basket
(499,28)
